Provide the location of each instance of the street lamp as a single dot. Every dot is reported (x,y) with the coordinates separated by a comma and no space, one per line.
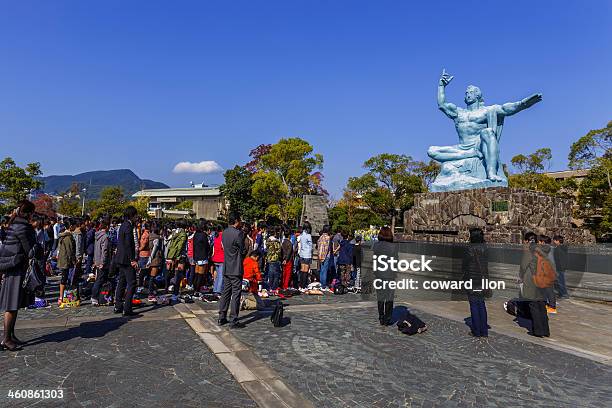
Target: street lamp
(83,207)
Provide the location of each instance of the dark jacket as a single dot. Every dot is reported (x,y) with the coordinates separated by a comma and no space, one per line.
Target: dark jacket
(234,250)
(390,250)
(126,247)
(345,256)
(475,265)
(357,255)
(90,240)
(18,246)
(286,250)
(201,246)
(560,255)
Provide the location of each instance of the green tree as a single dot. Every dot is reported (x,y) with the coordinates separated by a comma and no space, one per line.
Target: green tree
(594,199)
(592,150)
(112,202)
(238,191)
(530,174)
(349,215)
(389,185)
(284,174)
(16,182)
(533,163)
(142,206)
(427,171)
(69,206)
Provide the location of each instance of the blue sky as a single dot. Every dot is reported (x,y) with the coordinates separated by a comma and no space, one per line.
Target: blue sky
(147,84)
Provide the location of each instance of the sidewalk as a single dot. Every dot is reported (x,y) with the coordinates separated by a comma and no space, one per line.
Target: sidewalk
(333,353)
(580,328)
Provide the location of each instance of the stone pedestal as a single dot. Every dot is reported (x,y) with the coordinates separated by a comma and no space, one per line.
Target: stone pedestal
(465,174)
(504,214)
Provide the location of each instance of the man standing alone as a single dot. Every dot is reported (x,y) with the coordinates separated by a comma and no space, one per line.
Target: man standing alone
(126,260)
(233,270)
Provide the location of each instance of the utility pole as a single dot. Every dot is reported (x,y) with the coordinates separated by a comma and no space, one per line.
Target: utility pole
(83,207)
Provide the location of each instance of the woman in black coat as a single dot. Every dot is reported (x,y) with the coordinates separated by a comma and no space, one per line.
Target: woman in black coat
(475,268)
(385,247)
(201,249)
(17,249)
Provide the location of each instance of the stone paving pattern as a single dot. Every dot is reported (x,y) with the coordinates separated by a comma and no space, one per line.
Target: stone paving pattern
(120,363)
(343,358)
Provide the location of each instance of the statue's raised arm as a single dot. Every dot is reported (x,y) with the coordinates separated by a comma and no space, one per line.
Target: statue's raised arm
(448,108)
(511,108)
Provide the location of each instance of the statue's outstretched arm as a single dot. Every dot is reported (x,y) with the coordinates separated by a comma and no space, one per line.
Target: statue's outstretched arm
(511,108)
(448,108)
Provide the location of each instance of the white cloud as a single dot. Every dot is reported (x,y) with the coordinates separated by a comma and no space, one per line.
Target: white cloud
(206,167)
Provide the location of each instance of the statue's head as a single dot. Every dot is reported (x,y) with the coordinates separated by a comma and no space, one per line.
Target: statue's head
(473,95)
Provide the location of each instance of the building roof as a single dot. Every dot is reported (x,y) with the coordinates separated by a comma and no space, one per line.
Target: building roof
(563,174)
(179,192)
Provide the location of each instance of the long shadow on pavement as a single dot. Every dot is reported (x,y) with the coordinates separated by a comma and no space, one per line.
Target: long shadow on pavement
(86,330)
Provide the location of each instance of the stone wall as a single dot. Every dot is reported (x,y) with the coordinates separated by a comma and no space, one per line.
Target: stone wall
(314,210)
(503,213)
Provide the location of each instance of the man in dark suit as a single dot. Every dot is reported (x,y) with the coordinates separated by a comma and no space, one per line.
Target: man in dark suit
(126,261)
(233,270)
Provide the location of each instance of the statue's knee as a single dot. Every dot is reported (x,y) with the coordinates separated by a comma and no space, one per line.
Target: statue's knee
(432,151)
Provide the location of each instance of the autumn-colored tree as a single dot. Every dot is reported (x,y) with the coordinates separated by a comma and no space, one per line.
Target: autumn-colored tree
(256,155)
(45,205)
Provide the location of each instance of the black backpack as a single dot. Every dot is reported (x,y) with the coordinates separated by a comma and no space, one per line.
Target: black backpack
(411,325)
(340,289)
(106,294)
(277,315)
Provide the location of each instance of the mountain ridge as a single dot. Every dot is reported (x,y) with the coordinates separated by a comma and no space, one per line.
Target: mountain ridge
(95,181)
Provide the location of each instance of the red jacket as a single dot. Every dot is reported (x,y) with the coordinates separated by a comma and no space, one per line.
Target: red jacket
(252,273)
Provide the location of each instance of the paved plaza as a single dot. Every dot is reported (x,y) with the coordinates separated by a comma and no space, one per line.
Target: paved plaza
(330,353)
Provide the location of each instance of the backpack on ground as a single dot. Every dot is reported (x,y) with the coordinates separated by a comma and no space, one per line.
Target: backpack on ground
(277,315)
(340,289)
(411,325)
(517,308)
(106,294)
(248,302)
(545,274)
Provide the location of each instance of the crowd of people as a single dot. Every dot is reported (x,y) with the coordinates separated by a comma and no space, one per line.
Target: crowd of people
(117,260)
(129,258)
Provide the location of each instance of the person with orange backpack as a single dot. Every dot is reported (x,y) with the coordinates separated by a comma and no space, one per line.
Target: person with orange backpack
(548,274)
(534,278)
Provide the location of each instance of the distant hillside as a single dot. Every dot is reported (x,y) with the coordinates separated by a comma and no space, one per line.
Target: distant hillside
(96,181)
